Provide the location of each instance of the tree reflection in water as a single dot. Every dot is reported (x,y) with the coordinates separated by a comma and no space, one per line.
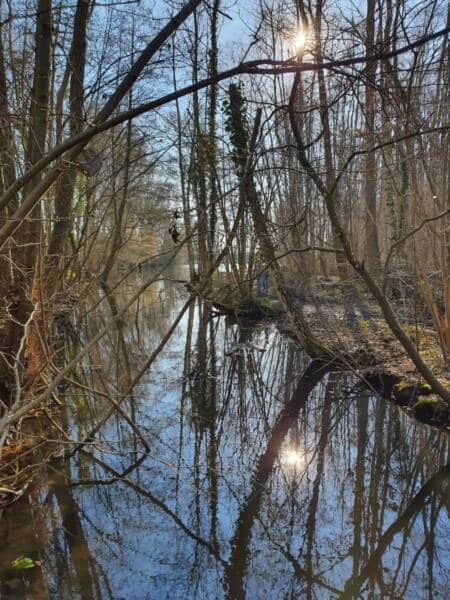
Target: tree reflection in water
(265,477)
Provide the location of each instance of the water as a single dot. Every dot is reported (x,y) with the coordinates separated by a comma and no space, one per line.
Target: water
(257,483)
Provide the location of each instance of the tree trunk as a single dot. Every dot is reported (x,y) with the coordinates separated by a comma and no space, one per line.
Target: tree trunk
(65,185)
(370,180)
(27,238)
(341,263)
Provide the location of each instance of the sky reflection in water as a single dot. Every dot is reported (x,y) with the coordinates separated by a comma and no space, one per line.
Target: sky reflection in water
(251,488)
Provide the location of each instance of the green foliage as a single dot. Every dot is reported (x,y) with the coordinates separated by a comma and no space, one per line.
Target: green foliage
(401,386)
(21,563)
(395,294)
(236,125)
(205,150)
(265,302)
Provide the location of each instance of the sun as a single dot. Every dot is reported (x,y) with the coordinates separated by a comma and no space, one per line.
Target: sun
(299,42)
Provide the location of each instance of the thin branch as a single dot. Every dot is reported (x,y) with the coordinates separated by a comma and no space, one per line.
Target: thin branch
(405,237)
(384,145)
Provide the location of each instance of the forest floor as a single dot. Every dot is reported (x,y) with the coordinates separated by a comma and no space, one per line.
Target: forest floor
(377,357)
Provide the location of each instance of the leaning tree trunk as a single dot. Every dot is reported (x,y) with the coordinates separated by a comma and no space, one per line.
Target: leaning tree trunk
(244,149)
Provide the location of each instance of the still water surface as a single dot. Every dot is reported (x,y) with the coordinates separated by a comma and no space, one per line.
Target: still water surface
(265,477)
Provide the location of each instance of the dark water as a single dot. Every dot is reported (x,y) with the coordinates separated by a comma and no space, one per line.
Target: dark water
(266,477)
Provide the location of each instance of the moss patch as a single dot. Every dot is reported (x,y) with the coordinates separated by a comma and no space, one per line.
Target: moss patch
(404,391)
(431,408)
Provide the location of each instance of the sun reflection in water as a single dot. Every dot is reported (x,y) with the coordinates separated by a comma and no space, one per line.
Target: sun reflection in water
(292,458)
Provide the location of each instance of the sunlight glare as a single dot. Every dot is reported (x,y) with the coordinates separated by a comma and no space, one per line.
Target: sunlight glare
(300,40)
(292,457)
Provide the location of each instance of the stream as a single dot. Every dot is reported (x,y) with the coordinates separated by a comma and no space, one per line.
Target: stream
(266,477)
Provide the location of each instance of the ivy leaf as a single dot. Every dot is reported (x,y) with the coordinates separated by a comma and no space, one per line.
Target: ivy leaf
(21,563)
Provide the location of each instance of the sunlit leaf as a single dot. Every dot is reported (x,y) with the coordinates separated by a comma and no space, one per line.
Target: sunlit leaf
(23,562)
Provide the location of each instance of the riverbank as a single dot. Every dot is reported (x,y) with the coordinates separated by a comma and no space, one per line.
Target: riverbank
(359,341)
